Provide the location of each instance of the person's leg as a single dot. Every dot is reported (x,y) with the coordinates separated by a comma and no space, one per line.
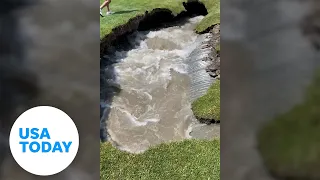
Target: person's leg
(104,4)
(108,4)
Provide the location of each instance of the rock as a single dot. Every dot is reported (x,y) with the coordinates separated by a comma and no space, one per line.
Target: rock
(214,68)
(213,74)
(208,121)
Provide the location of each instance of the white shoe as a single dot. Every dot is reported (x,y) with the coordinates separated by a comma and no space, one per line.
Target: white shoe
(109,13)
(101,13)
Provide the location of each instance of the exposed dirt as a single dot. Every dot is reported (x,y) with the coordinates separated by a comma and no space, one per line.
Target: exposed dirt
(214,68)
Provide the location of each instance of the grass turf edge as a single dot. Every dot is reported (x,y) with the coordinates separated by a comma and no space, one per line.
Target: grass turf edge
(212,18)
(188,159)
(207,107)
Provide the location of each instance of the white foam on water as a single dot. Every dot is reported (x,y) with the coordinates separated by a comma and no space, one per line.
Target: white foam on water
(132,118)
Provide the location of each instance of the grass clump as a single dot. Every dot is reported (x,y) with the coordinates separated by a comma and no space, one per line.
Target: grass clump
(218,48)
(290,144)
(208,106)
(187,160)
(213,17)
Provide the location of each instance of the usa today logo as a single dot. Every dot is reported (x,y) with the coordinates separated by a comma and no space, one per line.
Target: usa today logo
(44,140)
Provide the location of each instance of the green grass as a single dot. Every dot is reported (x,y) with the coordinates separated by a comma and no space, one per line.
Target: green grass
(208,106)
(218,48)
(125,10)
(290,144)
(187,160)
(213,7)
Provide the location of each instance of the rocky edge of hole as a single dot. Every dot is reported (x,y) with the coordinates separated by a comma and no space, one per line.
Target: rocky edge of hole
(203,113)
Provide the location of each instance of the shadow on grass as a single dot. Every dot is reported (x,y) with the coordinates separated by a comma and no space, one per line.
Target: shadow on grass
(125,12)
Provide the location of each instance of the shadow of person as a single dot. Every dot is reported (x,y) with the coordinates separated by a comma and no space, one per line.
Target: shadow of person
(125,12)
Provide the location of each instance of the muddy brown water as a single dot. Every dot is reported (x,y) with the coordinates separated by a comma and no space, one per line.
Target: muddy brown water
(153,105)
